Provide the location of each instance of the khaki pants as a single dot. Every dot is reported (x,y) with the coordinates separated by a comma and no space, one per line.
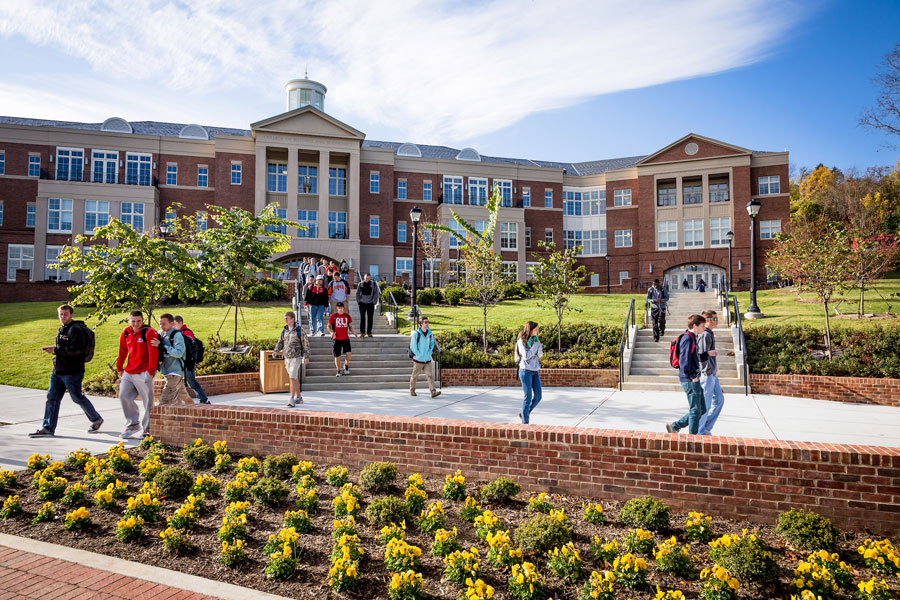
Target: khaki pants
(429,376)
(173,391)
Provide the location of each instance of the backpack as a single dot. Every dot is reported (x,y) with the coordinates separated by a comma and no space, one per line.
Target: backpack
(89,340)
(193,355)
(411,355)
(673,349)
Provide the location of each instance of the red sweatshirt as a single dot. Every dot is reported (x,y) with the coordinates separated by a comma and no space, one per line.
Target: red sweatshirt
(142,355)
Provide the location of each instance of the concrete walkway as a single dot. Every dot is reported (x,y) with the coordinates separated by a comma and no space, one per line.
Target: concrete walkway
(757,415)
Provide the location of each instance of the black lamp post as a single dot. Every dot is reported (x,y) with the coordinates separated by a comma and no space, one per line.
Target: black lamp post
(414,215)
(608,257)
(163,229)
(730,237)
(753,210)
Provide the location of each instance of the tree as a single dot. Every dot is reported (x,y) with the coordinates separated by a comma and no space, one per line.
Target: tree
(431,242)
(885,115)
(485,278)
(241,245)
(816,256)
(556,279)
(134,270)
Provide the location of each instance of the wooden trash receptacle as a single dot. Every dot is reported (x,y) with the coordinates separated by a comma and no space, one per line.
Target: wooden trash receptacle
(272,376)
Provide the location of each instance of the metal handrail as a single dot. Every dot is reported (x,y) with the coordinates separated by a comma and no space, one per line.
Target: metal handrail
(742,345)
(625,341)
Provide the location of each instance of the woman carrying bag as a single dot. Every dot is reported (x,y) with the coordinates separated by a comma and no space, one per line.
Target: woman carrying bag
(528,351)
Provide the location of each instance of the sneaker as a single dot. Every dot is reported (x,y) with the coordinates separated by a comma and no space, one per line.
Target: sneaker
(40,433)
(146,434)
(412,393)
(298,400)
(205,402)
(95,427)
(346,370)
(129,431)
(670,429)
(435,393)
(338,374)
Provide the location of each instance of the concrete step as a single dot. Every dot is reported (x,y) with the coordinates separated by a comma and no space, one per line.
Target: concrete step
(672,377)
(668,371)
(359,369)
(366,384)
(674,387)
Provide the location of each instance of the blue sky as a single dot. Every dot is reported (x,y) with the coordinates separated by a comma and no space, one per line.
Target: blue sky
(563,80)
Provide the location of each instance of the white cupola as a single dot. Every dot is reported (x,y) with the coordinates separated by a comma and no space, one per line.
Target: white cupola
(305,92)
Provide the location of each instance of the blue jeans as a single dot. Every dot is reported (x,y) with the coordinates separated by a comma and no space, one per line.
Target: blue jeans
(190,378)
(531,385)
(696,407)
(58,386)
(715,399)
(316,319)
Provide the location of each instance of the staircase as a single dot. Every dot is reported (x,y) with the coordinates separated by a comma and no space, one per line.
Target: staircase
(650,369)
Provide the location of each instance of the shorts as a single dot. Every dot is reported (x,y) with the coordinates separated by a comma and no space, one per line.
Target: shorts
(340,345)
(293,366)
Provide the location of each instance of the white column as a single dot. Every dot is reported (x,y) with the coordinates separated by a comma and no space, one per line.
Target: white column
(292,184)
(260,183)
(323,194)
(40,239)
(353,216)
(679,199)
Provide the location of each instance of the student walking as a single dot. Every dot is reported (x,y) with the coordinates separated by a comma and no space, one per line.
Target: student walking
(337,292)
(71,350)
(340,327)
(345,271)
(136,376)
(528,351)
(193,356)
(709,378)
(367,295)
(316,298)
(421,347)
(170,345)
(689,376)
(294,344)
(658,297)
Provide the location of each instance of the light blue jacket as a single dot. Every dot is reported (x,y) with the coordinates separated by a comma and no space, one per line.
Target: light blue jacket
(173,363)
(421,344)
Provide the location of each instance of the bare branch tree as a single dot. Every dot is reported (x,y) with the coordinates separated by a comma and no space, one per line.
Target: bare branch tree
(885,115)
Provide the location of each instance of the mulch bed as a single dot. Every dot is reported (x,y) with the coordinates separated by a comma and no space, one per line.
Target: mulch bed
(310,578)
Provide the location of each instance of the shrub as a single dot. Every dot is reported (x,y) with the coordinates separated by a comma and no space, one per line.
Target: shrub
(345,526)
(630,571)
(206,485)
(303,469)
(199,455)
(498,491)
(516,290)
(416,498)
(392,532)
(427,297)
(806,530)
(540,503)
(298,520)
(540,533)
(470,510)
(645,512)
(604,551)
(400,556)
(377,476)
(387,510)
(565,562)
(174,482)
(265,289)
(455,486)
(279,466)
(336,476)
(593,513)
(401,296)
(501,552)
(525,583)
(746,556)
(232,553)
(718,583)
(12,508)
(639,541)
(674,558)
(268,491)
(44,514)
(453,295)
(74,495)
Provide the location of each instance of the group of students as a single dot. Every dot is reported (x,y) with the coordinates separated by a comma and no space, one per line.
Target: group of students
(173,351)
(324,292)
(698,374)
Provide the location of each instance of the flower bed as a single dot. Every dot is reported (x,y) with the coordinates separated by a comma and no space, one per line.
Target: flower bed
(572,546)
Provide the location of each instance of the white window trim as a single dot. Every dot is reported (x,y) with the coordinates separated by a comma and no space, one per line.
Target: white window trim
(667,248)
(21,246)
(240,165)
(768,179)
(375,177)
(512,229)
(630,238)
(405,232)
(693,244)
(405,186)
(771,236)
(61,210)
(27,206)
(723,243)
(91,230)
(397,270)
(70,150)
(47,262)
(138,156)
(374,220)
(34,155)
(95,151)
(206,175)
(621,192)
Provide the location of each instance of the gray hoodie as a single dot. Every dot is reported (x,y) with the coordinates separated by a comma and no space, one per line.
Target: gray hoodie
(706,341)
(374,292)
(528,357)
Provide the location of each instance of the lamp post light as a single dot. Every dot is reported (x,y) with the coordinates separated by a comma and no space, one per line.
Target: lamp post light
(414,215)
(753,210)
(608,258)
(163,229)
(730,237)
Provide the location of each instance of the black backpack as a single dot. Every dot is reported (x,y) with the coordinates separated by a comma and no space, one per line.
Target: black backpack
(89,340)
(189,353)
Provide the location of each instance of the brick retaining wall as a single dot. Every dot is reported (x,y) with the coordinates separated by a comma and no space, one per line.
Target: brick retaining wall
(214,385)
(549,377)
(883,391)
(856,486)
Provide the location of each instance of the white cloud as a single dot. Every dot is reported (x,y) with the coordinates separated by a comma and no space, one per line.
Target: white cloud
(443,72)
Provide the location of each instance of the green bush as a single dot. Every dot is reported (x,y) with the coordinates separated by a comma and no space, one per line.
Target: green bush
(387,510)
(453,295)
(279,466)
(516,290)
(806,530)
(645,512)
(268,491)
(541,533)
(377,476)
(400,295)
(265,290)
(428,296)
(199,457)
(103,383)
(174,482)
(746,557)
(499,491)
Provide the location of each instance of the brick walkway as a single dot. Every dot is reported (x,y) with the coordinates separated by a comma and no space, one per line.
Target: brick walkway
(26,575)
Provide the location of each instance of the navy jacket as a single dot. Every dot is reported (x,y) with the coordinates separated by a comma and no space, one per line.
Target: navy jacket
(688,359)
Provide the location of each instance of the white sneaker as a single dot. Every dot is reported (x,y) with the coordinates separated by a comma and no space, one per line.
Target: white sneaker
(129,431)
(338,374)
(346,370)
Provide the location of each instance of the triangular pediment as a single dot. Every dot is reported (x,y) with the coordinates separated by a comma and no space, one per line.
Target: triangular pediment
(694,147)
(308,120)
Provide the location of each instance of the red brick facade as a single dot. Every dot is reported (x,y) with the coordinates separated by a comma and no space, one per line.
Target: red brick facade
(549,377)
(881,391)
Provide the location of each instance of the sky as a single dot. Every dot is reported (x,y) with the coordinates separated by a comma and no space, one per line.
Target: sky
(551,80)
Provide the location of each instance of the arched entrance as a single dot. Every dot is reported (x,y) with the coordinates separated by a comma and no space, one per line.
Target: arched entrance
(693,273)
(294,260)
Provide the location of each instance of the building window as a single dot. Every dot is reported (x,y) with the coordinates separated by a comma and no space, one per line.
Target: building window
(478,191)
(50,257)
(276,178)
(602,242)
(236,174)
(769,230)
(105,168)
(453,190)
(34,165)
(666,234)
(572,203)
(548,198)
(401,232)
(526,197)
(510,269)
(456,228)
(403,265)
(623,275)
(509,236)
(572,239)
(337,225)
(202,221)
(59,215)
(666,196)
(426,191)
(96,214)
(769,185)
(69,164)
(374,183)
(308,179)
(308,219)
(401,189)
(622,197)
(281,213)
(589,241)
(337,182)
(137,169)
(693,233)
(623,238)
(530,269)
(30,215)
(171,217)
(591,202)
(171,174)
(692,194)
(133,214)
(2,162)
(528,237)
(718,192)
(373,227)
(718,228)
(505,187)
(202,176)
(548,236)
(19,256)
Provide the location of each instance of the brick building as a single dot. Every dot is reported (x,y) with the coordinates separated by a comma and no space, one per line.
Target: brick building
(662,215)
